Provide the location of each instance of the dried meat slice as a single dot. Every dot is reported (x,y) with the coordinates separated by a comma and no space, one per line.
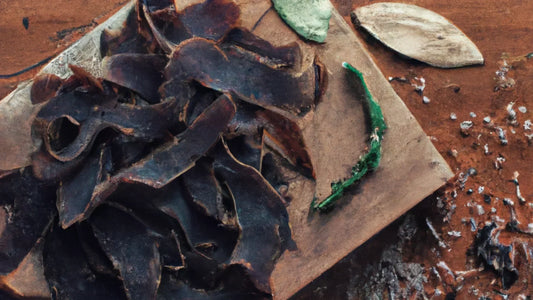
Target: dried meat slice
(178,156)
(75,192)
(204,190)
(141,73)
(131,248)
(70,122)
(261,215)
(242,73)
(204,234)
(69,274)
(210,19)
(26,211)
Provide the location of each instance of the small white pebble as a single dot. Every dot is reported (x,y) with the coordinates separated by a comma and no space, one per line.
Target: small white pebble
(486,119)
(480,189)
(390,78)
(480,210)
(454,233)
(453,116)
(473,114)
(493,210)
(522,109)
(425,99)
(486,148)
(527,124)
(530,227)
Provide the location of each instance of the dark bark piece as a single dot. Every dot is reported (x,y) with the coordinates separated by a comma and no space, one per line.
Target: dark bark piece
(47,168)
(203,188)
(44,88)
(27,281)
(260,213)
(75,192)
(173,158)
(133,37)
(202,98)
(142,73)
(173,288)
(284,56)
(210,19)
(96,257)
(165,43)
(26,210)
(169,26)
(70,122)
(247,149)
(131,249)
(286,138)
(204,234)
(230,70)
(69,275)
(178,156)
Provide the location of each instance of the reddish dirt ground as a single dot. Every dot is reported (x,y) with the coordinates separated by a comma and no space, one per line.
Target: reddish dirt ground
(503,32)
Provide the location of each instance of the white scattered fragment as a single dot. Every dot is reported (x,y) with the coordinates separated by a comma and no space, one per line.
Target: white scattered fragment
(480,189)
(480,210)
(510,111)
(426,100)
(419,84)
(473,114)
(442,244)
(493,210)
(390,78)
(486,119)
(454,233)
(513,131)
(527,124)
(442,265)
(418,33)
(522,109)
(502,81)
(486,149)
(465,125)
(498,163)
(502,136)
(497,219)
(508,201)
(530,227)
(518,193)
(453,116)
(530,204)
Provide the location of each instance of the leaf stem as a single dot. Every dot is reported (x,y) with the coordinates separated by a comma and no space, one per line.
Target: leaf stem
(369,161)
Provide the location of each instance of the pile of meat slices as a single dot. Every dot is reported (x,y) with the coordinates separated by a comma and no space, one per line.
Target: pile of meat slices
(161,180)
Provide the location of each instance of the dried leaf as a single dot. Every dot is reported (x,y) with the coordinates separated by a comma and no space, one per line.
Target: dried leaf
(418,33)
(131,249)
(310,19)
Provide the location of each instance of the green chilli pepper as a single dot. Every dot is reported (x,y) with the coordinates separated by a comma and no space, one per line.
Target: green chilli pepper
(369,161)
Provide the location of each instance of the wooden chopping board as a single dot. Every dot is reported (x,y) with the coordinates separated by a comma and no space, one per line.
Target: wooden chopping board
(335,133)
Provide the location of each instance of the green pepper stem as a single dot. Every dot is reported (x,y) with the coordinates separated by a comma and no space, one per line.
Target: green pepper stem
(369,161)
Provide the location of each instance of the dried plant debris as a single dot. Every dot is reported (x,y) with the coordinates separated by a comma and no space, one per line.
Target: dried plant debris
(163,186)
(495,255)
(310,19)
(418,33)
